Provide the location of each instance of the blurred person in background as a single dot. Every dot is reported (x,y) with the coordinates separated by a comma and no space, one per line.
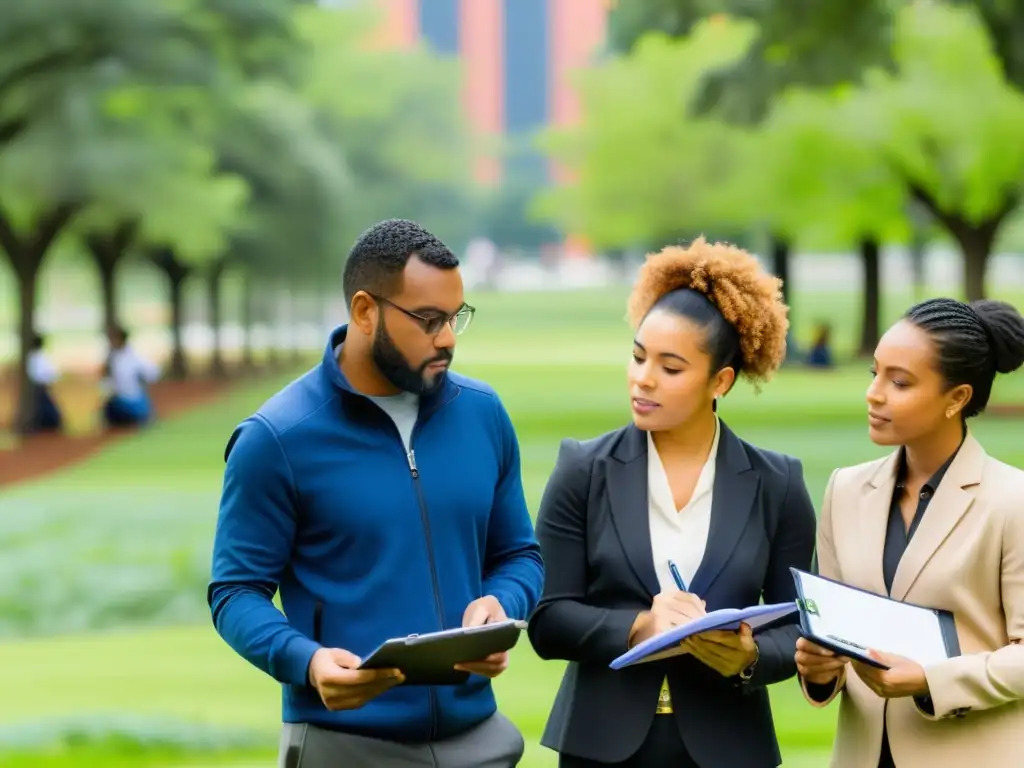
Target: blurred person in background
(42,375)
(937,523)
(655,523)
(126,378)
(819,355)
(382,494)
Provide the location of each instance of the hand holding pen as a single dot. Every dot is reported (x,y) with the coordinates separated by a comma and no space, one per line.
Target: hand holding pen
(669,609)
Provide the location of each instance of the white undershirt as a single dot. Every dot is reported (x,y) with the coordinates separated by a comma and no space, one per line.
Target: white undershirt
(129,373)
(679,535)
(40,369)
(404,409)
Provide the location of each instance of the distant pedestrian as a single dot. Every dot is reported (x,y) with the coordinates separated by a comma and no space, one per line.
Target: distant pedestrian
(126,379)
(45,415)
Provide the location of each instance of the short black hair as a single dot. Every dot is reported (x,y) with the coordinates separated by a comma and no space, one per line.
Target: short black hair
(973,343)
(378,258)
(721,338)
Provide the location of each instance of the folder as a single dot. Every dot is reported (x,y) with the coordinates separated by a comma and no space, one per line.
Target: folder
(430,659)
(851,621)
(667,644)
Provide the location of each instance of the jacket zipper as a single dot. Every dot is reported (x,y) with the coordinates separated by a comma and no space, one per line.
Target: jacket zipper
(411,458)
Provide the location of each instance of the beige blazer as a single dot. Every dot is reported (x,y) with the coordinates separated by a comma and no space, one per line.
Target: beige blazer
(967,556)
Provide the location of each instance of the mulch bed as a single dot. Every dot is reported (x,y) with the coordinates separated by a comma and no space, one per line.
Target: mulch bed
(36,455)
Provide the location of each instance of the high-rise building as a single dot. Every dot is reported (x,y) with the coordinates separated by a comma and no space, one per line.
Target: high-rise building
(518,61)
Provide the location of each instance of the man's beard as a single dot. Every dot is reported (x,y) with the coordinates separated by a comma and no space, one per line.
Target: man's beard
(396,369)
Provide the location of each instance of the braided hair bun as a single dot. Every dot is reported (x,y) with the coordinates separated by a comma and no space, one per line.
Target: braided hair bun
(973,342)
(1004,327)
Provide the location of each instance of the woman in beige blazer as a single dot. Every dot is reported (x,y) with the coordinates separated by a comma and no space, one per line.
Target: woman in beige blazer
(937,523)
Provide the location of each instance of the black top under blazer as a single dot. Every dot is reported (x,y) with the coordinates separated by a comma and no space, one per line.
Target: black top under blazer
(594,535)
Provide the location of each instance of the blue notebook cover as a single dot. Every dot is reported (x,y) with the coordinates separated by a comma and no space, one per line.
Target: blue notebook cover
(667,643)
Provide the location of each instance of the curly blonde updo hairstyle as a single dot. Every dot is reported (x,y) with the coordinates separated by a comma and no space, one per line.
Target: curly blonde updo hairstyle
(748,297)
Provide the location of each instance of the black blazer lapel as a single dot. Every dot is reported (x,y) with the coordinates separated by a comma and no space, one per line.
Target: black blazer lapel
(627,499)
(732,500)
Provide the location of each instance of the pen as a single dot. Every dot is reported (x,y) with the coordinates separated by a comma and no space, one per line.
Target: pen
(676,577)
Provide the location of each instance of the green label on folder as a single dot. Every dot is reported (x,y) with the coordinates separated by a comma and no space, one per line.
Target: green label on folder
(809,606)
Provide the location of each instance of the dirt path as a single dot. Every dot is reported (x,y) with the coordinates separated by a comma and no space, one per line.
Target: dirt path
(38,455)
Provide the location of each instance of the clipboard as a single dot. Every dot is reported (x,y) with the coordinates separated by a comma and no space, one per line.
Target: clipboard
(667,644)
(430,659)
(869,621)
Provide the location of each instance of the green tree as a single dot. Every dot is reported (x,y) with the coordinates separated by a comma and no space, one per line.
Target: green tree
(50,48)
(948,123)
(798,42)
(399,119)
(810,177)
(906,50)
(645,172)
(66,72)
(291,233)
(177,195)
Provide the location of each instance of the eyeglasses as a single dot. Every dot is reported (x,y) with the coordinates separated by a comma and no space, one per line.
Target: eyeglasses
(434,322)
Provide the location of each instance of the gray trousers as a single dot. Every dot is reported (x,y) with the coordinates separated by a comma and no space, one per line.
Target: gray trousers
(495,743)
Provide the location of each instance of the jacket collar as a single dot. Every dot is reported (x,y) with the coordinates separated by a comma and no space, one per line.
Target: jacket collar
(734,494)
(952,499)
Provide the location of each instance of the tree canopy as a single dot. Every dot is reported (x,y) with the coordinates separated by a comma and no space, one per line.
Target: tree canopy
(264,134)
(641,170)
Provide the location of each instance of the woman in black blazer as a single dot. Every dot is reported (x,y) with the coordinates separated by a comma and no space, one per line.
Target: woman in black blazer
(655,523)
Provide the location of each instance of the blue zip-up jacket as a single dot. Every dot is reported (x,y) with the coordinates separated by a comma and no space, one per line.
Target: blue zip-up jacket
(365,542)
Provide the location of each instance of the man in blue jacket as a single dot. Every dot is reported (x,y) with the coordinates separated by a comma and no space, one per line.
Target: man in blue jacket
(381,494)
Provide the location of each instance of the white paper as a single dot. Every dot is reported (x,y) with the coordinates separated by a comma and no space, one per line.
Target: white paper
(873,621)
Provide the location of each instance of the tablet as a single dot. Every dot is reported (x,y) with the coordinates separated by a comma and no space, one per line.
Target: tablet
(430,659)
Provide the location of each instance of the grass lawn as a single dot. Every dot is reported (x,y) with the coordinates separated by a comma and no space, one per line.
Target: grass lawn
(158,673)
(108,655)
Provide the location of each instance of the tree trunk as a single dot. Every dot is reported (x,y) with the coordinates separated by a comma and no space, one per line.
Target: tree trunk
(248,360)
(272,319)
(870,322)
(179,366)
(780,267)
(975,240)
(107,251)
(294,323)
(28,281)
(26,255)
(106,258)
(213,295)
(108,285)
(177,273)
(918,244)
(976,251)
(780,264)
